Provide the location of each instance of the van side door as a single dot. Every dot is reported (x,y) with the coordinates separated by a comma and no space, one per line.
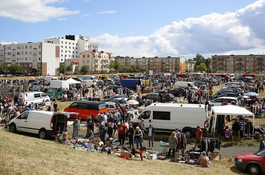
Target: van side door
(22,122)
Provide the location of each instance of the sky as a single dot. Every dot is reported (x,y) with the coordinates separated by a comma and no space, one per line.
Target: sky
(139,28)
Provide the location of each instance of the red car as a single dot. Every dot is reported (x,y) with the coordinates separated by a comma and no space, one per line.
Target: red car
(253,163)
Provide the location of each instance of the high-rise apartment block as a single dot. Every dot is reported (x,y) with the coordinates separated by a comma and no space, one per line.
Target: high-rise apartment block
(72,45)
(158,64)
(238,63)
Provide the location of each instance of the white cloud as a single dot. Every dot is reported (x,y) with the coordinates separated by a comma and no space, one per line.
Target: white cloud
(4,43)
(85,15)
(33,10)
(113,11)
(86,0)
(61,19)
(209,34)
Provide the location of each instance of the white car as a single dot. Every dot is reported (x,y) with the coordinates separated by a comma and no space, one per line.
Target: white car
(218,101)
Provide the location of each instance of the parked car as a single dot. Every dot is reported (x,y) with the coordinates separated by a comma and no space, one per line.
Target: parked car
(36,88)
(218,101)
(43,123)
(152,96)
(253,163)
(114,87)
(86,108)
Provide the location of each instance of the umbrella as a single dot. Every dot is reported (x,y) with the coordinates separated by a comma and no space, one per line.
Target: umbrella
(132,102)
(252,94)
(248,77)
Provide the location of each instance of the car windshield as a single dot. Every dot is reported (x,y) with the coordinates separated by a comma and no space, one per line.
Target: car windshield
(52,90)
(260,153)
(114,100)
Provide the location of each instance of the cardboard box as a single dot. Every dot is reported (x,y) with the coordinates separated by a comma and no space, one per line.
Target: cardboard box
(215,156)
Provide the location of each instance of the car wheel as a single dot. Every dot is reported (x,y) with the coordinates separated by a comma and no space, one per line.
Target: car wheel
(12,128)
(188,133)
(42,134)
(253,169)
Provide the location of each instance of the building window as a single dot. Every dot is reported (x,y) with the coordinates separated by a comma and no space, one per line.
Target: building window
(83,56)
(61,42)
(83,61)
(61,46)
(87,56)
(61,50)
(66,47)
(30,47)
(61,59)
(65,42)
(87,61)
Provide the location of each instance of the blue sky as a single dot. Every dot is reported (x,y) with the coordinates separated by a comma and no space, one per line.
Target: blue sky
(141,27)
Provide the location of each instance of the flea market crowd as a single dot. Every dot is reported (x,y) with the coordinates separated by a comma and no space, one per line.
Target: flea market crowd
(111,130)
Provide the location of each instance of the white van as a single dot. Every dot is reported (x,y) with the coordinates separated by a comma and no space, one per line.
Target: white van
(89,79)
(186,84)
(166,117)
(49,78)
(35,97)
(43,123)
(59,84)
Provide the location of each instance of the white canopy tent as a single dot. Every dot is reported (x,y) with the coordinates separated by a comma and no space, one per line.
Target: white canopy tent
(72,81)
(231,110)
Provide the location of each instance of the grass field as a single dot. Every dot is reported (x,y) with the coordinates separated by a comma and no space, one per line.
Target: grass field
(22,154)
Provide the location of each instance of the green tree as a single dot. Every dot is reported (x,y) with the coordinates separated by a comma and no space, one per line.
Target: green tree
(208,63)
(2,67)
(201,67)
(116,64)
(77,69)
(199,59)
(15,68)
(69,68)
(84,69)
(62,68)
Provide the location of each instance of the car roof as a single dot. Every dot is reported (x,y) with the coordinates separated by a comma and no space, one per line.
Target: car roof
(233,98)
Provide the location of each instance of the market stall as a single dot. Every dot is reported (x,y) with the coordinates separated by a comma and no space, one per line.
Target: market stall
(231,110)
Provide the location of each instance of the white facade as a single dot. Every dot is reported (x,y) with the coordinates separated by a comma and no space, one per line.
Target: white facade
(72,45)
(50,58)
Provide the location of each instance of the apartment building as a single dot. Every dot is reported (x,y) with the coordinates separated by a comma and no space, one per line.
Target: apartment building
(96,61)
(73,63)
(158,64)
(238,63)
(35,58)
(72,45)
(190,65)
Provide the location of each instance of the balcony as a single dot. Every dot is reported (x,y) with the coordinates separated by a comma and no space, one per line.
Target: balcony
(96,58)
(112,59)
(97,64)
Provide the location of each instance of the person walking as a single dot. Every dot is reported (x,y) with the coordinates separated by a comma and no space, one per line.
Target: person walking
(173,141)
(151,135)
